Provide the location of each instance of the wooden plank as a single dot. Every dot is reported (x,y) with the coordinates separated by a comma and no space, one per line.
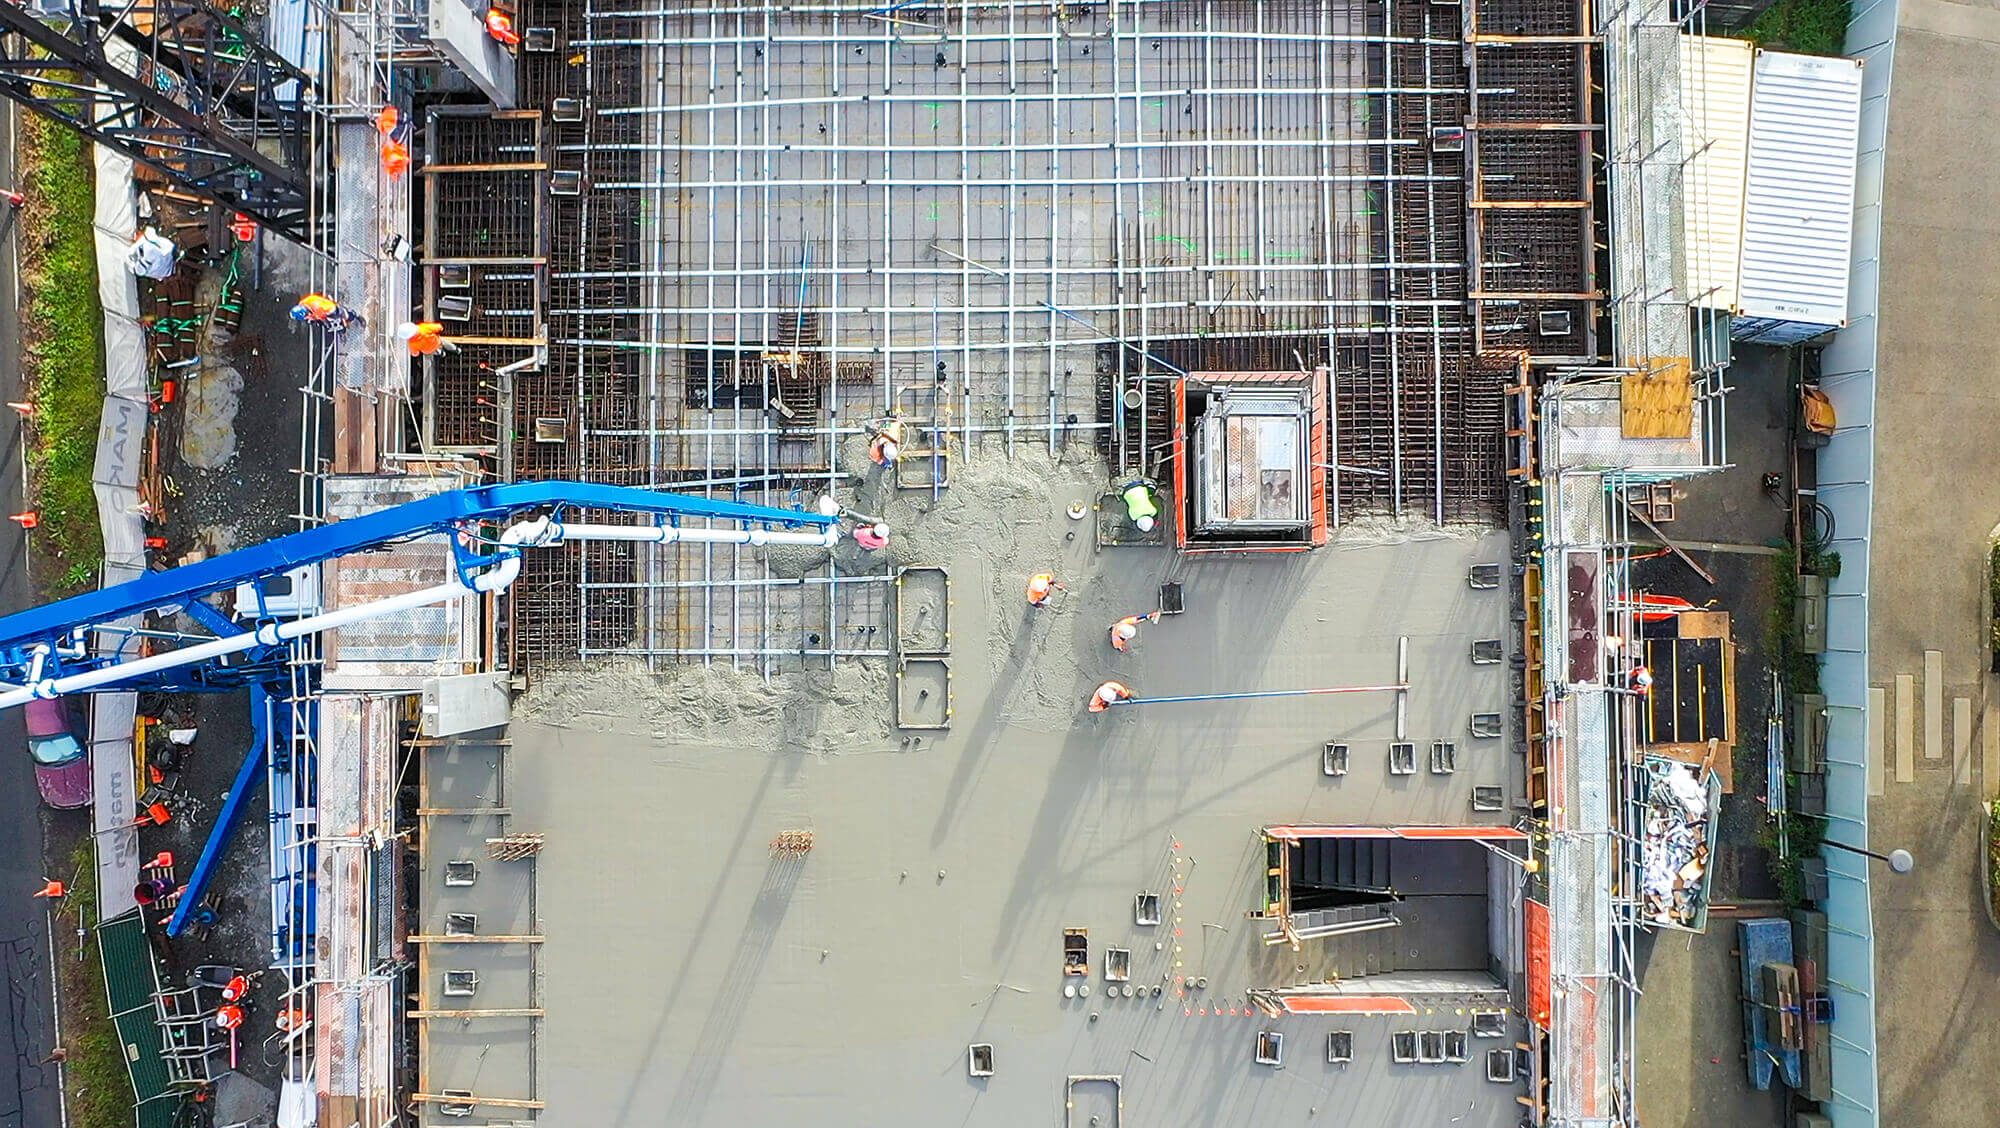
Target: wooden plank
(1906,728)
(1989,768)
(1657,402)
(1878,720)
(429,938)
(1961,739)
(434,170)
(501,1012)
(495,1102)
(1933,704)
(1667,542)
(355,443)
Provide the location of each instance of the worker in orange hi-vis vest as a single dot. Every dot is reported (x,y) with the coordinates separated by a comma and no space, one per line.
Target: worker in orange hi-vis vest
(1040,586)
(500,26)
(887,444)
(395,158)
(1125,630)
(1107,695)
(424,337)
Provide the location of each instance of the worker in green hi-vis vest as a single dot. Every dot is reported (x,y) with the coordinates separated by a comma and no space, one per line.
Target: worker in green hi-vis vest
(1140,507)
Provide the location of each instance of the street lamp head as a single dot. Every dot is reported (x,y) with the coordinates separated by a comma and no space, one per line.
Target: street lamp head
(1901,861)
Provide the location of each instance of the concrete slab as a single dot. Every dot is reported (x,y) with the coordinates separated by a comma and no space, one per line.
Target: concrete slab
(929,913)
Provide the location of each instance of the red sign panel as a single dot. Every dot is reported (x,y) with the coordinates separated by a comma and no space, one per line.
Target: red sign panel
(1538,963)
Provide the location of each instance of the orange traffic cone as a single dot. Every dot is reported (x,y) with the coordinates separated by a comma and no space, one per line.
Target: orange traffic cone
(164,860)
(22,409)
(27,518)
(52,890)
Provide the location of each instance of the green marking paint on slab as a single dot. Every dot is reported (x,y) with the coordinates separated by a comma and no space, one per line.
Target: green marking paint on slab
(1288,254)
(1188,245)
(933,212)
(933,108)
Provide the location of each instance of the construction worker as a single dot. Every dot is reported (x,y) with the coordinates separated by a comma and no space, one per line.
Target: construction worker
(424,338)
(395,158)
(234,990)
(872,537)
(1642,680)
(1107,695)
(315,307)
(1041,585)
(500,26)
(228,1016)
(1125,630)
(322,310)
(887,445)
(1140,507)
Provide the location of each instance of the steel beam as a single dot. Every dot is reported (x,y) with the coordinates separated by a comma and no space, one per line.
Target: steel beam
(181,86)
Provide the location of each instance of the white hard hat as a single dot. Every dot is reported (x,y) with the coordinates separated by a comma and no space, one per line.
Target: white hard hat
(407,330)
(1125,630)
(1145,524)
(880,531)
(889,449)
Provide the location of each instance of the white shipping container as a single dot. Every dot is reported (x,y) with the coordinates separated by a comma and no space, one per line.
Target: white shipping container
(1798,210)
(1715,136)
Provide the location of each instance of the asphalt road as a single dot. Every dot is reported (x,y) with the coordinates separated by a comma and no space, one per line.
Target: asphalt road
(29,1094)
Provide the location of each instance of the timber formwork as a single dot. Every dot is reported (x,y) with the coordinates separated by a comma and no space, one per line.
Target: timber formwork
(754,228)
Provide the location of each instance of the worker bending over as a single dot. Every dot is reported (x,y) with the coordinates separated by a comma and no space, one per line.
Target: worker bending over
(1140,507)
(1041,585)
(424,337)
(887,444)
(322,310)
(1125,630)
(1107,695)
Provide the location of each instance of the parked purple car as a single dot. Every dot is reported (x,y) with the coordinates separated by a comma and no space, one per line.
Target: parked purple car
(62,771)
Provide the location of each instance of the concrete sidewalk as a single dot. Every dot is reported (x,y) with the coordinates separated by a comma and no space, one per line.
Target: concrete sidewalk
(1937,497)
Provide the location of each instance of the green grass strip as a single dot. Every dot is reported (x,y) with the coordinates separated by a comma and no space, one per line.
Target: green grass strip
(62,361)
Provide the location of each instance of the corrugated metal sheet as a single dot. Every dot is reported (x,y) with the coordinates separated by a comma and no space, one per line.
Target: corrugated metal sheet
(1715,135)
(1798,210)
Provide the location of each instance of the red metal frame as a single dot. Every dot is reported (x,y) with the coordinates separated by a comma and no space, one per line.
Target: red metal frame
(1317,456)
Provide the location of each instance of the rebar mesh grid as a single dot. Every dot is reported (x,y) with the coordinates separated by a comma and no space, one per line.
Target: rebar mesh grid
(786,222)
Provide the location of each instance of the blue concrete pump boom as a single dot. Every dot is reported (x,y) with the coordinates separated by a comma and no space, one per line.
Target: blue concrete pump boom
(30,640)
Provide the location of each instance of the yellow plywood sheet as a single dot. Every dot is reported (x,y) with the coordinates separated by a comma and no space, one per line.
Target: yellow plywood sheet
(1657,401)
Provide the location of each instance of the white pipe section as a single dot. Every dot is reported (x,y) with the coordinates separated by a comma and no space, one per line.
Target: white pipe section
(670,534)
(506,566)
